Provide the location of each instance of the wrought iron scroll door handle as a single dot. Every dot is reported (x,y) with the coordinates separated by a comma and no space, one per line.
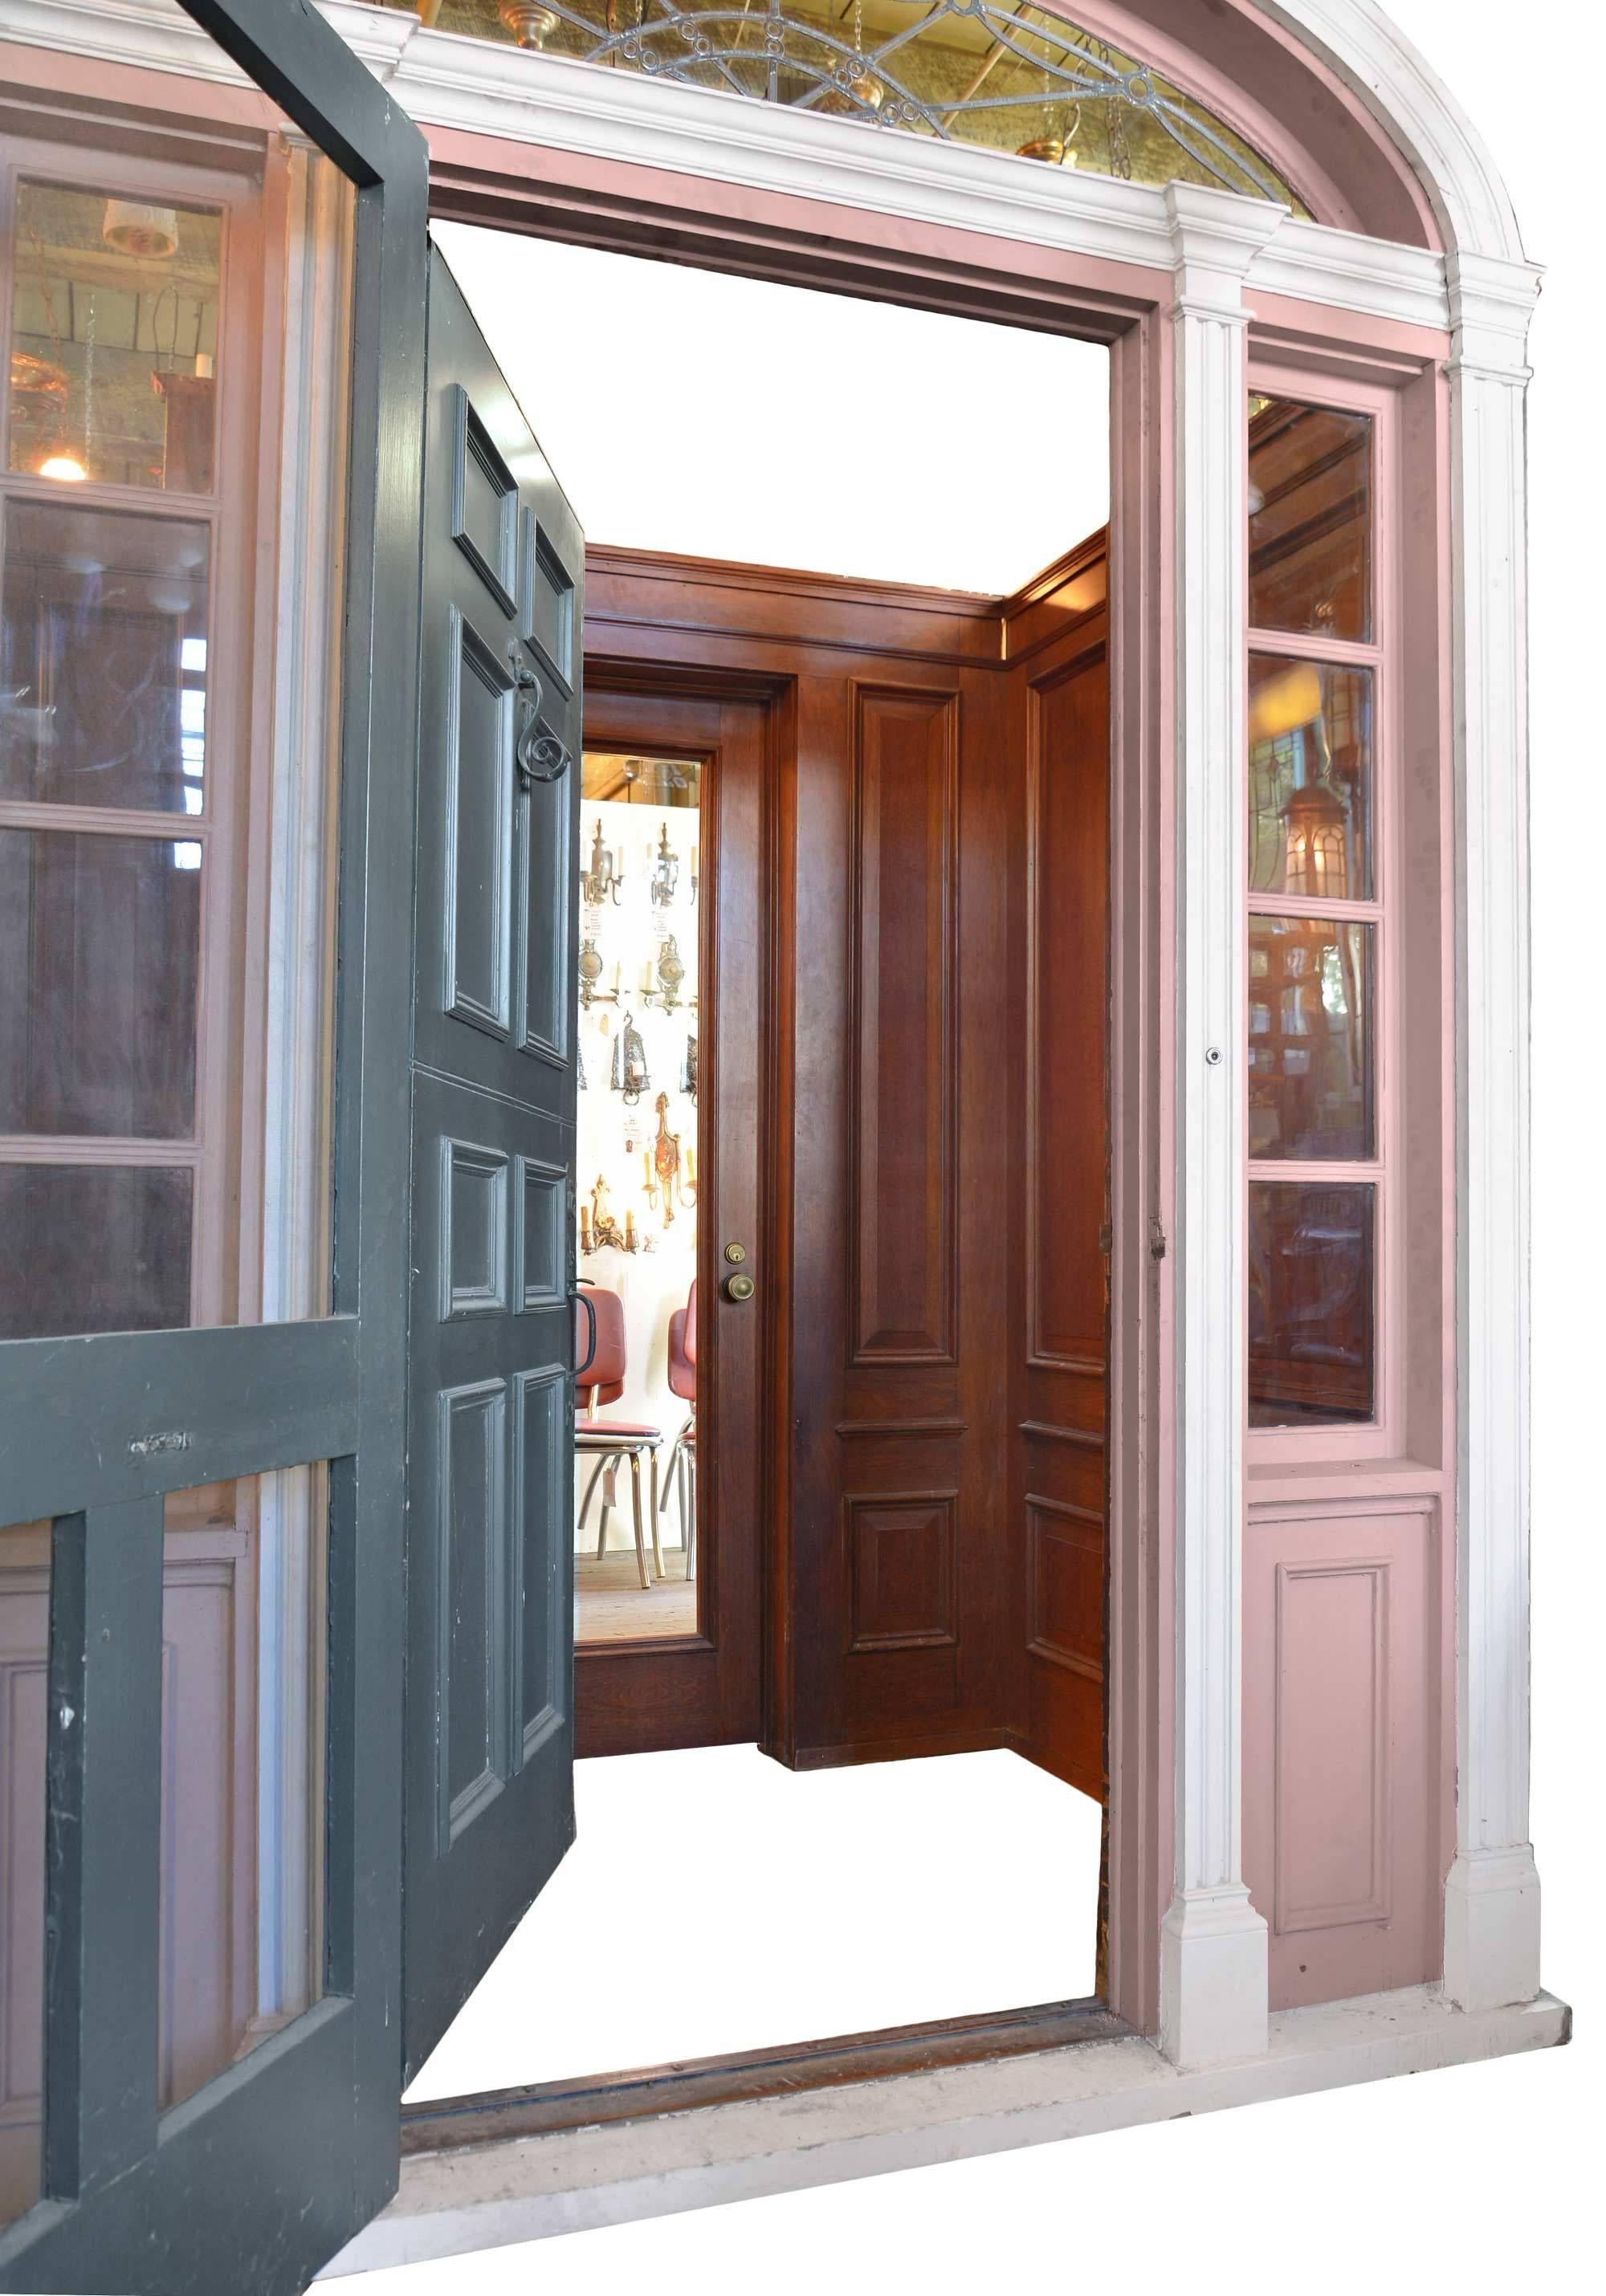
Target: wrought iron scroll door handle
(539,753)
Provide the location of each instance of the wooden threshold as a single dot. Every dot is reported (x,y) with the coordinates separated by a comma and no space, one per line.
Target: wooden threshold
(447,2124)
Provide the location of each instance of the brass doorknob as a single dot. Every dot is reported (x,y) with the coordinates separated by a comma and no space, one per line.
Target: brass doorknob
(739,1288)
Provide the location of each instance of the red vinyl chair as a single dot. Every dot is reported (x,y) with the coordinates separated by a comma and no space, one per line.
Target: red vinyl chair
(599,1346)
(683,1457)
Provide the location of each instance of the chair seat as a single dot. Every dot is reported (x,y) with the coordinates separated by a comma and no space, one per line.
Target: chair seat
(597,1431)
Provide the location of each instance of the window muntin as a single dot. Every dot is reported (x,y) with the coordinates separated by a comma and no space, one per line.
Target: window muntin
(1317,763)
(1021,80)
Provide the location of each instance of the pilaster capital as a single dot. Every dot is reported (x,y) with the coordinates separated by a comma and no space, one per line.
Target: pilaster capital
(1492,301)
(1214,237)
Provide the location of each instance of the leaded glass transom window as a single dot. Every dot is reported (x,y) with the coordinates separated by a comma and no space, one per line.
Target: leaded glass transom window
(1020,79)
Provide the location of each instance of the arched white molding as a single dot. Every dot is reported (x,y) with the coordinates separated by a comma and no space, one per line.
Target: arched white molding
(1404,93)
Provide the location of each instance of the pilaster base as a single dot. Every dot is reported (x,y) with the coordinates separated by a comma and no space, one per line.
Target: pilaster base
(1214,1981)
(1492,1928)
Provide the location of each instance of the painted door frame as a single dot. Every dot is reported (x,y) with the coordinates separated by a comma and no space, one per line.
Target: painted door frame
(1177,276)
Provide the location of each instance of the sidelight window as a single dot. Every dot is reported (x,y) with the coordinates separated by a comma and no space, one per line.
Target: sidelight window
(1318,1176)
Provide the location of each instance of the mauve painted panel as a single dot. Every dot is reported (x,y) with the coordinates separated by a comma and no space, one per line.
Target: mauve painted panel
(1341,1749)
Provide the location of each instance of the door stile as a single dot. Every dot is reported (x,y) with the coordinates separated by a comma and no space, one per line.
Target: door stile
(102,1865)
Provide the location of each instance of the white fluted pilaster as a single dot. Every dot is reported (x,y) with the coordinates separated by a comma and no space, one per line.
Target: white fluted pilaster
(1492,1897)
(1212,1955)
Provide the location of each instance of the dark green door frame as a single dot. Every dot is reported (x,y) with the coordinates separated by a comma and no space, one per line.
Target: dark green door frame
(257,2180)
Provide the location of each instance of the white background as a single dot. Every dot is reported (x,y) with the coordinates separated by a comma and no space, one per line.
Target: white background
(1482,2177)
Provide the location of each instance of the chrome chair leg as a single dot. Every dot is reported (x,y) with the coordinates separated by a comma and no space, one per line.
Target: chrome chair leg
(585,1507)
(610,1464)
(653,1519)
(640,1534)
(688,1468)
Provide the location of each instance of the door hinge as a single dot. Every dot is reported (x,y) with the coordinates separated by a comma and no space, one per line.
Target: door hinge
(1157,1237)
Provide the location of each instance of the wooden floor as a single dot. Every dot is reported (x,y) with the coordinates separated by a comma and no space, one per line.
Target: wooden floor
(615,1608)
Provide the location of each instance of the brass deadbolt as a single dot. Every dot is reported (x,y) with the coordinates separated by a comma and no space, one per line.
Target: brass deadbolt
(736,1253)
(739,1288)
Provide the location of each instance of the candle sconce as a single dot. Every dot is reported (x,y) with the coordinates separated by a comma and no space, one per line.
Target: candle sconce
(605,1231)
(666,870)
(669,972)
(629,1062)
(602,878)
(666,1165)
(590,974)
(688,1071)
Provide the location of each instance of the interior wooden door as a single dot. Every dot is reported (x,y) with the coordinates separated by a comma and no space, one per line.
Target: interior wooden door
(489,1800)
(702,1688)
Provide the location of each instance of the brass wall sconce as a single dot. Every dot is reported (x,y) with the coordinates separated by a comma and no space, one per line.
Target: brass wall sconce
(666,869)
(604,877)
(629,1062)
(669,1176)
(590,974)
(669,972)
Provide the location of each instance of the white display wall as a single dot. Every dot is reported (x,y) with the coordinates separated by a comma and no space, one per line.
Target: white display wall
(616,1141)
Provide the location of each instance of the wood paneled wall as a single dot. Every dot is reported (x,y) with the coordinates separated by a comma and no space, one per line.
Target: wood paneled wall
(938,1152)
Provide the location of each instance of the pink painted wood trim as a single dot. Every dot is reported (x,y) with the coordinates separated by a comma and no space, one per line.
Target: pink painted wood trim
(94,79)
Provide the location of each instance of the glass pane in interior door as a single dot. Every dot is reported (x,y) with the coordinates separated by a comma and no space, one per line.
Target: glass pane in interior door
(103,657)
(115,307)
(639,1021)
(1310,779)
(100,950)
(1310,520)
(24,1661)
(1312,1290)
(1311,1055)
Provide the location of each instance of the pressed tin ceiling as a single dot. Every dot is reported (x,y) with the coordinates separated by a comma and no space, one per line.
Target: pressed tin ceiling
(1019,80)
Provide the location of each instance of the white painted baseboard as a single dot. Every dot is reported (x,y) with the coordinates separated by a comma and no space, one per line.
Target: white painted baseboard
(490,2195)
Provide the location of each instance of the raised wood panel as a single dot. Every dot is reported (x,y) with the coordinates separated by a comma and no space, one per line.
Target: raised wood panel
(1331,1818)
(479,833)
(1345,1848)
(1067,1016)
(902,1219)
(484,503)
(1065,1563)
(540,1257)
(473,1575)
(474,1258)
(545,839)
(901,1567)
(543,1432)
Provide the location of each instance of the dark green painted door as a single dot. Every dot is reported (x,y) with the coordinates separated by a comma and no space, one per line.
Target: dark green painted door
(491,1732)
(121,1412)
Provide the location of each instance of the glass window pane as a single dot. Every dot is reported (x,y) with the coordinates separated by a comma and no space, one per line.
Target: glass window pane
(244,1577)
(100,943)
(1312,1327)
(1310,520)
(114,339)
(103,657)
(93,1248)
(1310,779)
(1310,1087)
(639,1023)
(24,1660)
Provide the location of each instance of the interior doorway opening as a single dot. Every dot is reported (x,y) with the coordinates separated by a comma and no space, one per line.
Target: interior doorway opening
(841,1225)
